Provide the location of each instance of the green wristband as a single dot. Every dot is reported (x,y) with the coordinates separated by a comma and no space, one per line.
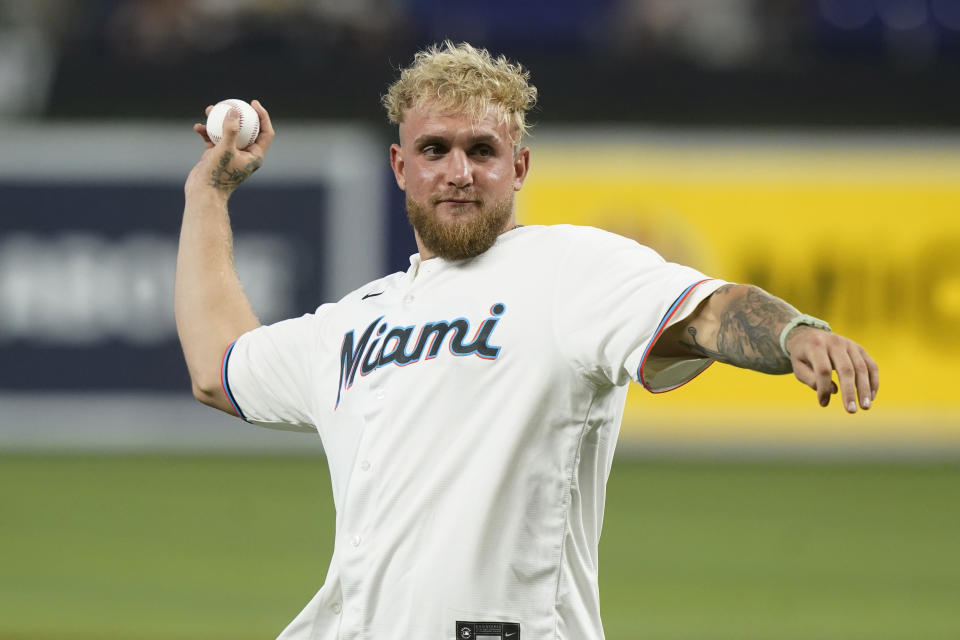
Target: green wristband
(803,318)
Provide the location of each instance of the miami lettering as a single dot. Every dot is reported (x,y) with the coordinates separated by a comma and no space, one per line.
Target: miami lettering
(381,344)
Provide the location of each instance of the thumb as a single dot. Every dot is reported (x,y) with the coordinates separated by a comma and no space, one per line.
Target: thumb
(231,127)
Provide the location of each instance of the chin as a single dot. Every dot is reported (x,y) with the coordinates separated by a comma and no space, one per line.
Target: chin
(456,210)
(460,231)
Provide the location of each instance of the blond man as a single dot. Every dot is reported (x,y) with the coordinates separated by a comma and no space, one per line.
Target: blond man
(470,487)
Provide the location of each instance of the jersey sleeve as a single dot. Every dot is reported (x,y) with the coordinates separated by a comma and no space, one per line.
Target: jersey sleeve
(268,373)
(613,299)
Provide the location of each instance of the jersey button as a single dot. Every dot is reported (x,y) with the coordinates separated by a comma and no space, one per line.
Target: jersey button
(407,299)
(381,394)
(336,608)
(356,540)
(365,465)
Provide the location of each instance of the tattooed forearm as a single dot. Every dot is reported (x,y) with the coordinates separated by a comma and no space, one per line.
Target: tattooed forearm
(226,179)
(749,332)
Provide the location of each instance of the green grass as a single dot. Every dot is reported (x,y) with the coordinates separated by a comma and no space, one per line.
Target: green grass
(775,551)
(158,548)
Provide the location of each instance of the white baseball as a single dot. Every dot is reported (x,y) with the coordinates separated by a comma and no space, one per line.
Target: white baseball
(249,122)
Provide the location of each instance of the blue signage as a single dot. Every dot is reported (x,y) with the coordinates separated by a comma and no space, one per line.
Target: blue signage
(87,270)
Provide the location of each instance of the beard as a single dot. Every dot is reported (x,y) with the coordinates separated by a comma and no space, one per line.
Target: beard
(466,236)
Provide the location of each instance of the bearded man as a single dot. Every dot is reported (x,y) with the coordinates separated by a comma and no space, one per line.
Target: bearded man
(470,488)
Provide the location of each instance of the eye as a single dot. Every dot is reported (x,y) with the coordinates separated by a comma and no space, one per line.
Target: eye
(432,150)
(483,151)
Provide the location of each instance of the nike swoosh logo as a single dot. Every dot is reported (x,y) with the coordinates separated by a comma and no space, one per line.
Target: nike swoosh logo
(370,295)
(508,635)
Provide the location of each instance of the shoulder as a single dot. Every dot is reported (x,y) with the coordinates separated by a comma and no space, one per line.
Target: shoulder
(592,243)
(587,236)
(343,308)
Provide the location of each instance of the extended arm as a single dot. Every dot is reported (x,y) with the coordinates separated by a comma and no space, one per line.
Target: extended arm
(210,306)
(741,325)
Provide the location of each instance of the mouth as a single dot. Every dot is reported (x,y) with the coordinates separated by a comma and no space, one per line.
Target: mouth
(457,201)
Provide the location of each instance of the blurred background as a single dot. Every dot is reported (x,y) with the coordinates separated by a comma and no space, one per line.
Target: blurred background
(811,147)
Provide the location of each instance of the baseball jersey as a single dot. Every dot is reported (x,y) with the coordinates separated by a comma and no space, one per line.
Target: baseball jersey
(469,410)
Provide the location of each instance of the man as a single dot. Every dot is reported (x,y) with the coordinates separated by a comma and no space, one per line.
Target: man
(469,407)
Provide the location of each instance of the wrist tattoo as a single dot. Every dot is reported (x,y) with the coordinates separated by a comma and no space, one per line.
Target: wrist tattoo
(226,179)
(749,335)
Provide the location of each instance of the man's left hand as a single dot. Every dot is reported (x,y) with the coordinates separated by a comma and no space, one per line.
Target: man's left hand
(816,354)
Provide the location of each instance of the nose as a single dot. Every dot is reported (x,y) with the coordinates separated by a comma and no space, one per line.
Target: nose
(459,171)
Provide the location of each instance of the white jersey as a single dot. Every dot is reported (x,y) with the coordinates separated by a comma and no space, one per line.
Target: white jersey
(469,411)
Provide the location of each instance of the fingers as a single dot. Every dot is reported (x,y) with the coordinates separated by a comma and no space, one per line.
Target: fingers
(847,374)
(863,380)
(822,370)
(231,127)
(201,129)
(267,133)
(805,374)
(857,374)
(873,371)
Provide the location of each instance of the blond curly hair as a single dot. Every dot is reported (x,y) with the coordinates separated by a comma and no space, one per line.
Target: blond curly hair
(460,78)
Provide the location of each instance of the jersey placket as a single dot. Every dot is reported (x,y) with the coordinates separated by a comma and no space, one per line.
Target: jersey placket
(357,535)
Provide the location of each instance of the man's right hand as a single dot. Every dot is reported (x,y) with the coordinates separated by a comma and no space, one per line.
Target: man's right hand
(210,306)
(223,166)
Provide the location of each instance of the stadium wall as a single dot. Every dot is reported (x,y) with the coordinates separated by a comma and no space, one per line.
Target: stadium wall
(860,229)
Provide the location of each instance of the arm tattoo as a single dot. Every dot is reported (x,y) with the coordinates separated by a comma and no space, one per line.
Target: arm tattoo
(749,333)
(226,179)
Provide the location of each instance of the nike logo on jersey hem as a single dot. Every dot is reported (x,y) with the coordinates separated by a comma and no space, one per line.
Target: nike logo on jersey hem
(371,295)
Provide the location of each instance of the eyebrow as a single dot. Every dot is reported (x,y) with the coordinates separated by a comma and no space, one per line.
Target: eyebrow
(430,138)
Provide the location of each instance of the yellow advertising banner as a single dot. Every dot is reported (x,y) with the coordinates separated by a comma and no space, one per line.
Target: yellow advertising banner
(864,232)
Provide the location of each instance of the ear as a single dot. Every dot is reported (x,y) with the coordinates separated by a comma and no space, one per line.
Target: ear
(396,163)
(521,165)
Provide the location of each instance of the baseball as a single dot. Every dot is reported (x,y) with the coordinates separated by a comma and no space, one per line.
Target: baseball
(249,122)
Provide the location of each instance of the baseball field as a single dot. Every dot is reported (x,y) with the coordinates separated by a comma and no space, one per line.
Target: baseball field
(190,548)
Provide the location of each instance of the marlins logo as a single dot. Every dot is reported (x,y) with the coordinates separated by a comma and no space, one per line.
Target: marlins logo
(380,345)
